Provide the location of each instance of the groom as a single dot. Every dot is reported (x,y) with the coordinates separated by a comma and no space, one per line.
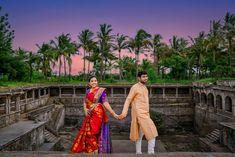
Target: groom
(141,123)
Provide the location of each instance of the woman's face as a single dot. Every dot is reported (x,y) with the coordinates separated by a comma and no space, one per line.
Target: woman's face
(93,82)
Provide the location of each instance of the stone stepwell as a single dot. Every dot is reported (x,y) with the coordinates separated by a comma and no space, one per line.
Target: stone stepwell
(44,119)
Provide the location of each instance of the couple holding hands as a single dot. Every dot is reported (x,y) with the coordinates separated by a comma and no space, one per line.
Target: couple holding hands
(94,135)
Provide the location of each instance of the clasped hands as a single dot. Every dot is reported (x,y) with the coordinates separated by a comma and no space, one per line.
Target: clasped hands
(119,117)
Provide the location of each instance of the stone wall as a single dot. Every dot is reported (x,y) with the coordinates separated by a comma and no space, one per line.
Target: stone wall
(31,140)
(227,137)
(173,103)
(213,104)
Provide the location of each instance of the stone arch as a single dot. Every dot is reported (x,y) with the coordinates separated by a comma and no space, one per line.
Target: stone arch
(210,99)
(219,102)
(197,97)
(228,104)
(203,98)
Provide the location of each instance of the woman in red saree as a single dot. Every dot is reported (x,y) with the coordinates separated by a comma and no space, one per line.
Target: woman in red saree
(94,135)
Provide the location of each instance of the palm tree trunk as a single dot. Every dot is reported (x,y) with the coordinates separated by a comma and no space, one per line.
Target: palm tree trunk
(155,60)
(69,71)
(214,56)
(65,73)
(44,69)
(84,65)
(101,70)
(31,72)
(60,64)
(136,63)
(158,67)
(70,64)
(104,70)
(120,66)
(89,54)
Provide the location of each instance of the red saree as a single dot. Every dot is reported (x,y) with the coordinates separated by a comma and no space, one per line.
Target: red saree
(88,136)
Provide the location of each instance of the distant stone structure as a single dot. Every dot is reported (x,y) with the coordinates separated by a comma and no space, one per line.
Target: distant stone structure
(199,107)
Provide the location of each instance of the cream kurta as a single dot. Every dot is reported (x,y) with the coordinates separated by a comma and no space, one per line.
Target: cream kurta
(139,100)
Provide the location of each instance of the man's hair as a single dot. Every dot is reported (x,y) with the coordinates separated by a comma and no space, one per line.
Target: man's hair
(142,73)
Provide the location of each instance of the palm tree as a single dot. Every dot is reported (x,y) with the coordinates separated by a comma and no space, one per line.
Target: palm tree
(121,44)
(139,44)
(47,56)
(229,33)
(146,65)
(85,41)
(104,45)
(64,47)
(158,49)
(179,46)
(214,39)
(198,51)
(71,50)
(128,65)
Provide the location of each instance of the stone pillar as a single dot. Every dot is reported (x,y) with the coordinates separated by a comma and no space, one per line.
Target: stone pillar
(18,107)
(150,92)
(45,91)
(49,92)
(8,103)
(190,92)
(215,106)
(74,92)
(33,94)
(39,93)
(163,93)
(176,92)
(112,92)
(233,106)
(223,102)
(26,97)
(8,109)
(199,102)
(59,92)
(125,92)
(26,101)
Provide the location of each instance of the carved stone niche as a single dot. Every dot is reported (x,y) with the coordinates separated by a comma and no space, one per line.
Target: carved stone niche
(2,106)
(54,91)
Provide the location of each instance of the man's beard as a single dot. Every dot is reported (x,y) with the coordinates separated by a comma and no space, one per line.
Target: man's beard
(143,82)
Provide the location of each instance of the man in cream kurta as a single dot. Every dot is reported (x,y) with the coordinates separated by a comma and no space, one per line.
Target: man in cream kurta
(141,123)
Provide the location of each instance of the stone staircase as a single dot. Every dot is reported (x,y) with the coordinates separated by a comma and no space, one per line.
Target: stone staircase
(49,137)
(213,136)
(51,141)
(210,143)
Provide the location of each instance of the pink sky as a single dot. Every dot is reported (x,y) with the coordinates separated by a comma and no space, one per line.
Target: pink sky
(40,21)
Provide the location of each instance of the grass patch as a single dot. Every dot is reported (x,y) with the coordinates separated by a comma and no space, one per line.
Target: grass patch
(15,84)
(212,80)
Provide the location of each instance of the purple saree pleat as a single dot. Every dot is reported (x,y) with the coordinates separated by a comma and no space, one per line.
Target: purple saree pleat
(105,143)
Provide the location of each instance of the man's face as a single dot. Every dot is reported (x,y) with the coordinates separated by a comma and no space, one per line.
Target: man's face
(143,78)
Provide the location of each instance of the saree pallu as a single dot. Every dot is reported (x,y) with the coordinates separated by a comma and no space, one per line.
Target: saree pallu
(94,134)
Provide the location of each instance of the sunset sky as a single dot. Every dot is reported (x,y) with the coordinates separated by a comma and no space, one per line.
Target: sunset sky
(38,21)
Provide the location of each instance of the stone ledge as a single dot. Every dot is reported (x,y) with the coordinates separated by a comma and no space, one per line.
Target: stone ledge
(63,154)
(15,131)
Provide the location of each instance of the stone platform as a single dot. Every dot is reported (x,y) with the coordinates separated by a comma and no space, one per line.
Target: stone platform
(19,133)
(61,154)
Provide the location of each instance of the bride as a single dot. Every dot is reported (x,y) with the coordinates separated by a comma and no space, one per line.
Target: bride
(94,136)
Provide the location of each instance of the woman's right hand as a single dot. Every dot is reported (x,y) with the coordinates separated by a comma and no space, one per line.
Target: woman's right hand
(116,116)
(87,113)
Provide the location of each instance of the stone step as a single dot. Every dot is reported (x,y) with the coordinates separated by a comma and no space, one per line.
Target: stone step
(213,136)
(66,154)
(49,136)
(215,133)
